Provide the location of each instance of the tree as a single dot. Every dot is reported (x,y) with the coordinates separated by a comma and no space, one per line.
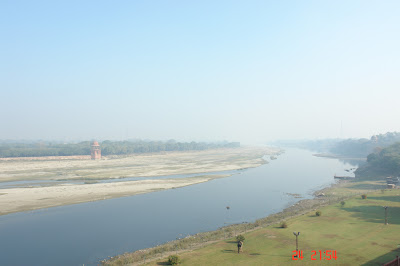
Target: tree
(174,260)
(240,238)
(284,224)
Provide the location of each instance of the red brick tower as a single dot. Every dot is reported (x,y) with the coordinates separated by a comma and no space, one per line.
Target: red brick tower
(95,151)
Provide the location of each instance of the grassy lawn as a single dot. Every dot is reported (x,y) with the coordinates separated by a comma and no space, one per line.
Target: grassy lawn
(356,231)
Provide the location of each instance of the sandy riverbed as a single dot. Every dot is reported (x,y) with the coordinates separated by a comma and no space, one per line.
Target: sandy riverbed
(156,164)
(23,199)
(49,195)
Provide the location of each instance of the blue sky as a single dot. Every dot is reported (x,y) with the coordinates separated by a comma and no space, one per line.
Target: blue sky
(249,71)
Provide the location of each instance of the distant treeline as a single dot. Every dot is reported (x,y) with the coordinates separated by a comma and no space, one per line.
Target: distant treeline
(363,147)
(348,147)
(107,148)
(383,162)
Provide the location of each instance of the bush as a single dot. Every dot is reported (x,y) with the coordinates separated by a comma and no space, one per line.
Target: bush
(363,196)
(318,213)
(240,238)
(342,203)
(284,224)
(173,260)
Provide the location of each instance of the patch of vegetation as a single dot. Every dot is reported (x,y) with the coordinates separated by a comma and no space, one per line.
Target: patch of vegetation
(284,225)
(44,149)
(381,163)
(342,203)
(363,147)
(240,238)
(174,260)
(386,160)
(318,213)
(91,182)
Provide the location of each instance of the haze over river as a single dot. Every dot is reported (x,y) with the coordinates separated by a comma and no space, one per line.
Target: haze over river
(89,232)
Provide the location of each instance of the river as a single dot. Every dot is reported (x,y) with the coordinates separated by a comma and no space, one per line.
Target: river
(89,232)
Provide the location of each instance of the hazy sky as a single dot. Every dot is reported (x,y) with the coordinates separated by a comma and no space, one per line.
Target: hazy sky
(249,71)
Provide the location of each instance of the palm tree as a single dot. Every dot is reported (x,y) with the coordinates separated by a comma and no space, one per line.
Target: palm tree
(226,219)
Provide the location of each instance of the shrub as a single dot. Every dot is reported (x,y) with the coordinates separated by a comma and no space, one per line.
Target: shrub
(363,196)
(284,224)
(240,238)
(318,213)
(173,260)
(342,203)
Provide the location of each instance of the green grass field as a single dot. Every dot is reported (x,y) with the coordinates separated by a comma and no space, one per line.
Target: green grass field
(356,232)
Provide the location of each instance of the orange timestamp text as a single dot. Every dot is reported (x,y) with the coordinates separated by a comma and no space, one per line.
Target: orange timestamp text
(315,255)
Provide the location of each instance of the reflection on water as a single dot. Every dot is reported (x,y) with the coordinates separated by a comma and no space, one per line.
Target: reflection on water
(86,233)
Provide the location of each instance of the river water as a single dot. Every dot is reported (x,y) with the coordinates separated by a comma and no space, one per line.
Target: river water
(89,232)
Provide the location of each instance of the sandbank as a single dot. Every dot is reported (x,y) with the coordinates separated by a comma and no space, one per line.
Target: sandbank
(27,197)
(24,199)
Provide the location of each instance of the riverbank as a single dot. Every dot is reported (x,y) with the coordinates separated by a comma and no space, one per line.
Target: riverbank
(340,191)
(335,156)
(352,233)
(58,189)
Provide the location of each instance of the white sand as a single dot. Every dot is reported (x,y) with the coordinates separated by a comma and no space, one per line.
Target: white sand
(168,163)
(23,199)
